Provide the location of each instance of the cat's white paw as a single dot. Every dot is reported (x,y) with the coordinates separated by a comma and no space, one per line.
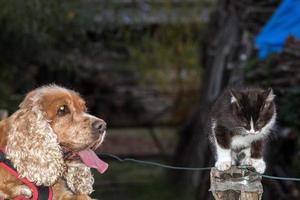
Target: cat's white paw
(233,162)
(259,165)
(247,162)
(223,165)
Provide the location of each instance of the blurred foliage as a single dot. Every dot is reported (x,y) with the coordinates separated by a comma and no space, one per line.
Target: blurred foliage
(168,59)
(45,34)
(290,108)
(167,56)
(275,72)
(37,33)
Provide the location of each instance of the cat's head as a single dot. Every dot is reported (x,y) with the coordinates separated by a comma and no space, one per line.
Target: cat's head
(253,109)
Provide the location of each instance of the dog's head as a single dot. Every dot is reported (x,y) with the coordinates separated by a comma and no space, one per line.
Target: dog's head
(52,122)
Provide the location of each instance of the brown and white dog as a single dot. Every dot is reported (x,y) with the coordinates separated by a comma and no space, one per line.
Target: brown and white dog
(50,142)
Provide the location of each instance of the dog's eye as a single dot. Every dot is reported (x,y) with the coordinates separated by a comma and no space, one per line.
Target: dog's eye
(63,110)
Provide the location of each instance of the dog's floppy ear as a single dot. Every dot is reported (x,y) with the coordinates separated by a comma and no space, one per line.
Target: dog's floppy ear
(79,177)
(32,145)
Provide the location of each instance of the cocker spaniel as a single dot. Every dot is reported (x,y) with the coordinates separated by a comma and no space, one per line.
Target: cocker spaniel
(50,142)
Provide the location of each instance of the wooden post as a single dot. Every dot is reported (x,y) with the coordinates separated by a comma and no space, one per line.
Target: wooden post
(235,184)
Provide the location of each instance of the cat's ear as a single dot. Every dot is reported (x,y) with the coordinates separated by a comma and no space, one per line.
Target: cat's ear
(235,95)
(269,95)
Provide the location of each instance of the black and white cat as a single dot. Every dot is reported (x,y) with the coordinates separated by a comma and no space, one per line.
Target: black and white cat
(240,121)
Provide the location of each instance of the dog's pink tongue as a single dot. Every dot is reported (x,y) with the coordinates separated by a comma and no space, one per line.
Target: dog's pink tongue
(90,159)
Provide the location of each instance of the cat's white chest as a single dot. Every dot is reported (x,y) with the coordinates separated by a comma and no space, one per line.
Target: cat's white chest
(239,141)
(245,140)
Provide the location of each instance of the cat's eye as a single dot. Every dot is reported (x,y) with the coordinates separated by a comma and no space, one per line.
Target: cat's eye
(260,124)
(266,106)
(63,110)
(244,124)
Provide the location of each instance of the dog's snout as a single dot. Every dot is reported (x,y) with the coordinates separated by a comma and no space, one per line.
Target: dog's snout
(99,126)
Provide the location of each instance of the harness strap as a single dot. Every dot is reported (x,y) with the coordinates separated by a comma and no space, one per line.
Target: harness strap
(45,193)
(38,192)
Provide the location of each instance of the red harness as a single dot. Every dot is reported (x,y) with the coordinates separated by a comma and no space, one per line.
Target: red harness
(38,192)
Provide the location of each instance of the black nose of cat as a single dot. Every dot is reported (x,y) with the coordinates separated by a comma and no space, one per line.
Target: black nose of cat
(98,126)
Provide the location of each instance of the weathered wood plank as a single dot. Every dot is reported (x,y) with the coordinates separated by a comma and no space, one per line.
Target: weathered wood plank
(235,184)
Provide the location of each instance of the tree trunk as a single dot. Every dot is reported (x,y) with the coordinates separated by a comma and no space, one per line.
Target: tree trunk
(227,47)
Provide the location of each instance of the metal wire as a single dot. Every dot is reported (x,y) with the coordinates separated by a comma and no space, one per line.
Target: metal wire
(155,164)
(280,178)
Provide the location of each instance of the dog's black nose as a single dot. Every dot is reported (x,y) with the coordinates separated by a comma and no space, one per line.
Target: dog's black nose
(99,126)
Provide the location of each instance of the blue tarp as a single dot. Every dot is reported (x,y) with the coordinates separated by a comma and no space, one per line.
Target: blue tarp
(285,22)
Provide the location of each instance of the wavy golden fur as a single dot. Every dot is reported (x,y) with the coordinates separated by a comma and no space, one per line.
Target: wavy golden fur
(50,120)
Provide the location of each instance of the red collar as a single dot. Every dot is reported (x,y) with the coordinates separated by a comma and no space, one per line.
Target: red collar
(38,192)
